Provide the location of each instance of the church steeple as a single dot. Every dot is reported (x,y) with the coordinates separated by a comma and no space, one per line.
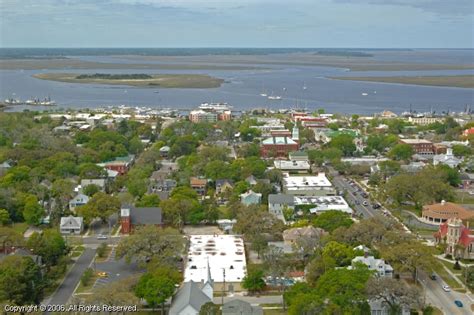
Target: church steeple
(208,286)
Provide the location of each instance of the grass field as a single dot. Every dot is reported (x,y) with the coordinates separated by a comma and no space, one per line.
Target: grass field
(162,80)
(462,81)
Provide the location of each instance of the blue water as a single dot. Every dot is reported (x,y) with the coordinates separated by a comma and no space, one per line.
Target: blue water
(243,87)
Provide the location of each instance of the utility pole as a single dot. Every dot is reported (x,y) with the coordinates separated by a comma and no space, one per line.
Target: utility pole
(223,288)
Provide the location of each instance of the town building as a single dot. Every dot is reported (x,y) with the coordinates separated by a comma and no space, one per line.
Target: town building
(225,254)
(383,269)
(135,216)
(71,225)
(251,198)
(280,146)
(420,146)
(447,159)
(298,156)
(320,204)
(314,185)
(77,201)
(423,121)
(468,132)
(364,160)
(239,307)
(292,166)
(440,212)
(458,238)
(120,164)
(197,116)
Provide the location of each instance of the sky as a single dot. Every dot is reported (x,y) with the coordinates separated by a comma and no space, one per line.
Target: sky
(237,23)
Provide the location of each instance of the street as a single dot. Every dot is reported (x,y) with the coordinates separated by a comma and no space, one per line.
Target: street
(66,288)
(436,296)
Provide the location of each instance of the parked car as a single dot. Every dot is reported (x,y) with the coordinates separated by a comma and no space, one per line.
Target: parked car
(101,237)
(433,276)
(365,195)
(446,288)
(458,303)
(365,203)
(357,202)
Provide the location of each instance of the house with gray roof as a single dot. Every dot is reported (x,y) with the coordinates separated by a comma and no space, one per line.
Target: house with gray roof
(239,307)
(277,202)
(193,295)
(71,225)
(77,201)
(99,182)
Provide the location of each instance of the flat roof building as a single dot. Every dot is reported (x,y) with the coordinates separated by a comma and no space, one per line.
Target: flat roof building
(313,185)
(225,254)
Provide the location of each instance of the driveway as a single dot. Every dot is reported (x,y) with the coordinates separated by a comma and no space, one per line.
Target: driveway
(66,288)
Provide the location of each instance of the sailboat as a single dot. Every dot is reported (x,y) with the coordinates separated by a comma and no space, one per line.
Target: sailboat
(263,91)
(304,86)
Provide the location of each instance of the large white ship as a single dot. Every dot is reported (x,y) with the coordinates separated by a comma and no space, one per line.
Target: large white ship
(215,106)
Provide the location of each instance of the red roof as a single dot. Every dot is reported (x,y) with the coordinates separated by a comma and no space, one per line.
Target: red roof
(469,131)
(465,239)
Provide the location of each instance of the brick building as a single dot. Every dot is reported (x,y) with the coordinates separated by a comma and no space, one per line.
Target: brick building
(420,146)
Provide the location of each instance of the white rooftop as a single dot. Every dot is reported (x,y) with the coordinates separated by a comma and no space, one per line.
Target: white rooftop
(279,140)
(225,252)
(291,165)
(306,182)
(415,141)
(323,203)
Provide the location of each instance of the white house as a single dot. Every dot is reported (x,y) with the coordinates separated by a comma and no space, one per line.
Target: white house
(447,159)
(378,265)
(77,201)
(71,225)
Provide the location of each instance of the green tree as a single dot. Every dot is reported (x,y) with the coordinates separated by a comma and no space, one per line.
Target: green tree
(157,286)
(4,217)
(462,150)
(50,245)
(91,190)
(148,243)
(401,152)
(210,309)
(149,200)
(21,281)
(332,219)
(32,211)
(253,281)
(343,142)
(101,205)
(337,255)
(87,276)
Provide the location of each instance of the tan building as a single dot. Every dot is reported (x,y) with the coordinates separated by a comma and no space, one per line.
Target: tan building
(440,212)
(423,121)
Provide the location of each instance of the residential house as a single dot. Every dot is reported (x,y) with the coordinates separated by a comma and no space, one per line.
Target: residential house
(99,182)
(120,164)
(71,225)
(224,185)
(290,236)
(383,269)
(380,307)
(199,185)
(251,180)
(239,307)
(441,212)
(164,151)
(278,202)
(250,198)
(4,167)
(38,260)
(413,167)
(135,216)
(77,201)
(458,238)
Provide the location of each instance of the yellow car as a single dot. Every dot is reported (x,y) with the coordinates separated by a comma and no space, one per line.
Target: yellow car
(102,274)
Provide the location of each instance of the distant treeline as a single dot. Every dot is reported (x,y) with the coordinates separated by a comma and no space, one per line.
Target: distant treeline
(106,76)
(343,53)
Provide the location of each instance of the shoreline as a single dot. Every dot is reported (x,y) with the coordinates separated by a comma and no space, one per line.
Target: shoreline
(458,81)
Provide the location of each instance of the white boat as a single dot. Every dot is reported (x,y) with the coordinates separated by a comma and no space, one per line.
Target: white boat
(271,97)
(304,86)
(365,94)
(264,94)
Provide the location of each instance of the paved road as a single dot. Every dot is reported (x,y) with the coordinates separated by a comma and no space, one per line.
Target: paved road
(66,289)
(436,296)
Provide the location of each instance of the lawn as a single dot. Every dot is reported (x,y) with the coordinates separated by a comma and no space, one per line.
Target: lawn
(83,289)
(20,228)
(274,312)
(98,259)
(438,268)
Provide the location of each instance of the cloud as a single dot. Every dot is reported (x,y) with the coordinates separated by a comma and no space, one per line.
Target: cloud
(441,7)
